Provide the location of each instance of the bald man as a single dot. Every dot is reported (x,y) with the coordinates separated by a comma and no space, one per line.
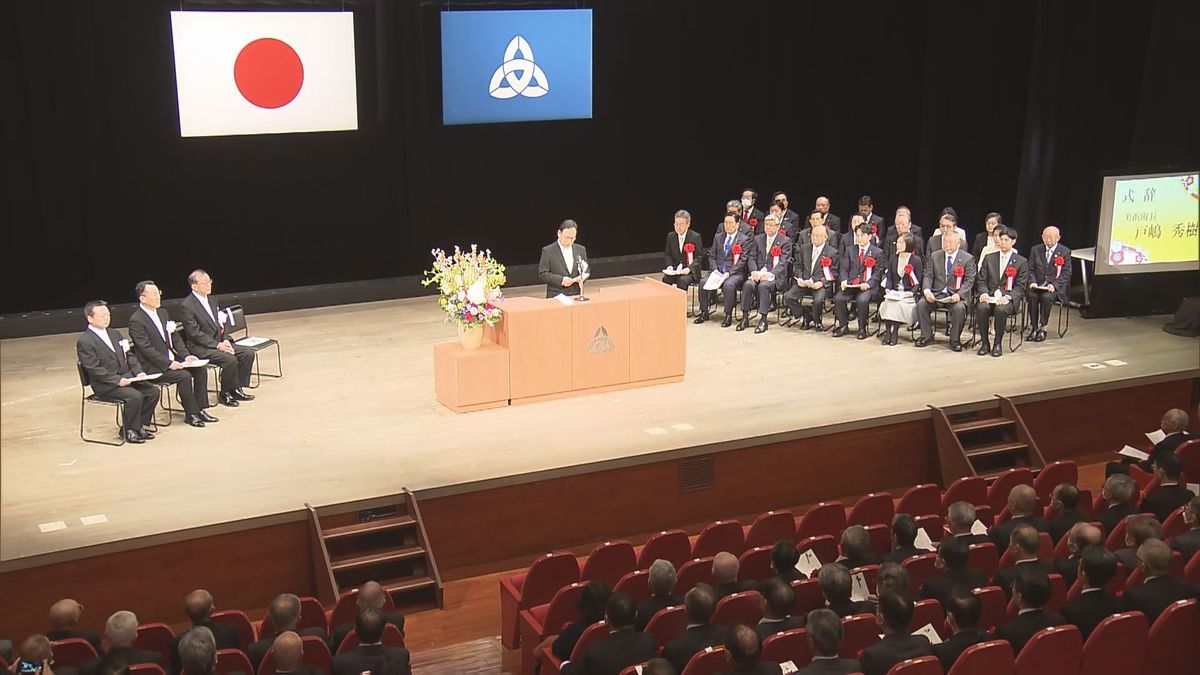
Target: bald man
(285,612)
(1022,504)
(725,573)
(1049,281)
(64,615)
(1160,589)
(828,219)
(198,607)
(1079,538)
(289,652)
(370,596)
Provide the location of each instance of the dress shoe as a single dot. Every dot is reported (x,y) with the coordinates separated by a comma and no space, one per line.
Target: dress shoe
(805,323)
(998,350)
(742,324)
(194,421)
(923,342)
(984,348)
(862,333)
(840,331)
(701,319)
(132,436)
(1041,336)
(1033,333)
(205,417)
(818,326)
(727,322)
(761,327)
(227,399)
(146,434)
(241,395)
(956,346)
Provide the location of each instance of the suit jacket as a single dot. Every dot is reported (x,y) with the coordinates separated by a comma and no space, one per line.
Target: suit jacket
(564,643)
(833,223)
(913,229)
(760,668)
(127,655)
(855,272)
(1165,499)
(742,227)
(1089,609)
(949,651)
(850,608)
(1040,272)
(879,658)
(791,223)
(934,243)
(723,590)
(342,630)
(680,650)
(622,648)
(673,257)
(363,658)
(1000,534)
(972,539)
(766,627)
(834,666)
(552,269)
(257,650)
(961,580)
(1166,446)
(1005,577)
(902,553)
(937,280)
(1069,569)
(804,264)
(1127,557)
(1062,523)
(226,636)
(302,669)
(896,279)
(1187,543)
(1022,627)
(653,605)
(761,256)
(149,345)
(719,262)
(804,238)
(876,239)
(93,638)
(1153,596)
(754,220)
(991,278)
(980,242)
(202,331)
(1113,515)
(105,367)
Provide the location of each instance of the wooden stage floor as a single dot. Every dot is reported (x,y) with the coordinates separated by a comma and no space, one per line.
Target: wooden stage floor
(355,417)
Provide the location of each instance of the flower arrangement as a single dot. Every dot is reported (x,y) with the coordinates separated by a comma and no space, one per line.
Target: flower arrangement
(469,284)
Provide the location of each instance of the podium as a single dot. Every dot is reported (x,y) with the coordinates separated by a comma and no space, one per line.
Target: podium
(632,335)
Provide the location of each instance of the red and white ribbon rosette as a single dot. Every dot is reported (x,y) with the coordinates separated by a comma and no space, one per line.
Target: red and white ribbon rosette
(869,264)
(1058,265)
(959,272)
(912,276)
(737,252)
(825,263)
(690,249)
(754,222)
(1010,273)
(775,253)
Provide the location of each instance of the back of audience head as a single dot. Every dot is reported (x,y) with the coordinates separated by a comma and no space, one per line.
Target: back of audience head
(198,606)
(1083,535)
(1155,557)
(743,645)
(953,553)
(960,516)
(1067,495)
(834,580)
(699,603)
(784,556)
(1119,488)
(64,614)
(894,612)
(963,611)
(1031,587)
(825,632)
(289,651)
(620,611)
(892,578)
(368,625)
(1022,500)
(1174,420)
(1168,466)
(592,600)
(121,629)
(725,568)
(1097,566)
(371,595)
(285,611)
(36,649)
(778,598)
(1140,528)
(1024,541)
(658,666)
(661,578)
(856,541)
(904,530)
(198,651)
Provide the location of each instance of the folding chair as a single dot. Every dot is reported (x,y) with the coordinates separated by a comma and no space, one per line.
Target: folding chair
(238,318)
(85,398)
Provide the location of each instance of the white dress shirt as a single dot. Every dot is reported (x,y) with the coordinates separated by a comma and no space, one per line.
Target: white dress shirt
(103,334)
(567,257)
(682,237)
(816,260)
(207,307)
(161,330)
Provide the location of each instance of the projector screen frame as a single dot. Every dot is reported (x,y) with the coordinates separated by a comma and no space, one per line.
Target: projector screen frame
(1108,183)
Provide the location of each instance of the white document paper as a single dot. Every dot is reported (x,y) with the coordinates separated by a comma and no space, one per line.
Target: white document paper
(978,527)
(252,341)
(1156,436)
(146,376)
(808,563)
(858,587)
(198,363)
(786,667)
(1194,487)
(923,541)
(894,295)
(1130,451)
(564,299)
(714,281)
(928,631)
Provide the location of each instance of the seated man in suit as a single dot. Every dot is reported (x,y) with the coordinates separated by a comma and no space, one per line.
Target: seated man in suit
(874,223)
(371,651)
(1094,604)
(196,651)
(862,271)
(1188,543)
(1081,537)
(947,222)
(898,644)
(589,609)
(778,598)
(768,273)
(1024,548)
(815,273)
(790,219)
(370,595)
(198,606)
(960,518)
(962,619)
(784,556)
(1032,592)
(683,251)
(1119,491)
(733,208)
(729,255)
(1169,495)
(892,578)
(699,604)
(832,222)
(1138,530)
(752,216)
(1023,505)
(1000,285)
(1064,508)
(856,548)
(825,634)
(64,621)
(743,648)
(285,612)
(948,283)
(1174,426)
(1160,589)
(662,584)
(725,573)
(1049,281)
(622,648)
(161,349)
(205,325)
(903,225)
(563,264)
(110,363)
(835,583)
(904,534)
(121,629)
(956,576)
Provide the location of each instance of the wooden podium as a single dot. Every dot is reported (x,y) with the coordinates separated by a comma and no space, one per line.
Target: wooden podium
(624,336)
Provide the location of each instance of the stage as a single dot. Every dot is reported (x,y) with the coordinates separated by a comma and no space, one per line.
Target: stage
(355,417)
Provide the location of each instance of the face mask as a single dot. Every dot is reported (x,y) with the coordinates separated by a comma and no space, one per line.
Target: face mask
(746,203)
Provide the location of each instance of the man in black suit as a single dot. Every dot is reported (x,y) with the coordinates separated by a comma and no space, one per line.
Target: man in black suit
(198,606)
(1169,495)
(733,208)
(903,225)
(64,619)
(904,534)
(784,556)
(752,216)
(121,629)
(662,583)
(1024,548)
(725,573)
(1023,505)
(683,251)
(1174,426)
(825,634)
(1188,543)
(371,595)
(1032,592)
(898,644)
(371,652)
(947,222)
(856,548)
(830,221)
(862,270)
(791,219)
(285,613)
(743,648)
(1081,537)
(699,604)
(728,255)
(836,586)
(778,598)
(874,223)
(948,283)
(1049,281)
(1000,286)
(624,646)
(768,273)
(196,651)
(1138,530)
(816,274)
(206,326)
(1160,589)
(1064,510)
(1119,491)
(962,618)
(956,576)
(960,518)
(1094,604)
(110,364)
(160,348)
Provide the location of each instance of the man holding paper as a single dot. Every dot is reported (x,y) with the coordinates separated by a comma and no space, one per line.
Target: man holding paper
(562,264)
(949,280)
(1002,277)
(816,273)
(1049,281)
(110,365)
(205,325)
(681,257)
(158,344)
(768,263)
(862,267)
(727,264)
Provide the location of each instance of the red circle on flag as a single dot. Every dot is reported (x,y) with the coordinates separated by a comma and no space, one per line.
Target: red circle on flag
(268,73)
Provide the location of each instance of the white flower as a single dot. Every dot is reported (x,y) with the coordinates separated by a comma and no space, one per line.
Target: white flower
(476,292)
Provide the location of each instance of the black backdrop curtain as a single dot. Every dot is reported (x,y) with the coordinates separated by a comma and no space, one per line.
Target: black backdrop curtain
(1011,107)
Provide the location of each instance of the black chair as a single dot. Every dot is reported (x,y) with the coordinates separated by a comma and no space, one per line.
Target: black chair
(85,398)
(1016,335)
(238,318)
(1064,317)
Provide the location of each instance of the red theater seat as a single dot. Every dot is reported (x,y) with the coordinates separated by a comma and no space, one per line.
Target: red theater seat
(791,645)
(1171,646)
(667,624)
(755,564)
(693,572)
(971,489)
(771,527)
(824,518)
(997,493)
(875,508)
(1051,650)
(1052,475)
(744,607)
(537,586)
(672,545)
(636,584)
(920,568)
(860,631)
(722,536)
(985,658)
(921,500)
(1117,646)
(608,562)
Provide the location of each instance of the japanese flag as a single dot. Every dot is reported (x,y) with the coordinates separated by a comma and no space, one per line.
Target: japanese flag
(264,72)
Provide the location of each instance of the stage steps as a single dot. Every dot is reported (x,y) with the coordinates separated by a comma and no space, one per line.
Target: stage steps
(386,543)
(984,443)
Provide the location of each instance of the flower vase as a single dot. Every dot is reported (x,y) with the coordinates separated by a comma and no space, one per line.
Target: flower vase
(470,337)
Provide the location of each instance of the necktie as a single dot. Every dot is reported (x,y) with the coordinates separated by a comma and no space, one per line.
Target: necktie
(862,253)
(1049,252)
(949,262)
(816,252)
